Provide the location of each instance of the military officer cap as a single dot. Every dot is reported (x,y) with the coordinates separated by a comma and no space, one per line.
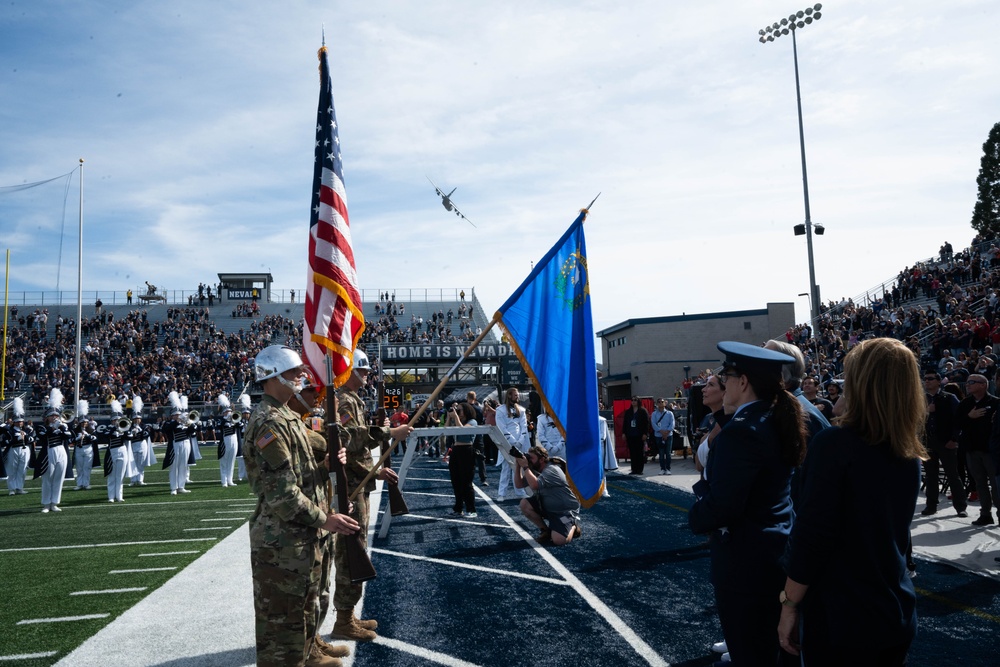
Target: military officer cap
(753,360)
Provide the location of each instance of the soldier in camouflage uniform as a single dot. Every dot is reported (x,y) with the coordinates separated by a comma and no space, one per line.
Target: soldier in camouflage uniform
(290,527)
(351,412)
(308,404)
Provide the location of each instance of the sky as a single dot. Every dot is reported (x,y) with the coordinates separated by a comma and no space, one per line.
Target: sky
(196,123)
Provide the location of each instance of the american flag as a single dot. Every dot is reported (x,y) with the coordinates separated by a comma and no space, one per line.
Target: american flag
(333,317)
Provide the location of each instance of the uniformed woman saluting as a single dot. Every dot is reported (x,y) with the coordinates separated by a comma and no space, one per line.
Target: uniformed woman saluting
(745,505)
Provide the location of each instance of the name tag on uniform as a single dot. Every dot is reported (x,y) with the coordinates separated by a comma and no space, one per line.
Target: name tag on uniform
(266,439)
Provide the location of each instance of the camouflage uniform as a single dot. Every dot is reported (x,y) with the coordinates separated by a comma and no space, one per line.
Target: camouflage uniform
(286,539)
(359,461)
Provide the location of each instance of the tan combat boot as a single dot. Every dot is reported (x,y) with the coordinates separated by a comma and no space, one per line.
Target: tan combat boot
(345,628)
(339,651)
(319,659)
(367,623)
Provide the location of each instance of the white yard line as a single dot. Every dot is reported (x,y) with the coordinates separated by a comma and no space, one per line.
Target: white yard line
(143,569)
(420,652)
(62,619)
(169,553)
(469,566)
(241,519)
(108,544)
(112,591)
(28,656)
(618,625)
(186,530)
(457,520)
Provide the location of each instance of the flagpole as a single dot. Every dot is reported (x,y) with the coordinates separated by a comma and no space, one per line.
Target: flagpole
(79,297)
(423,408)
(6,288)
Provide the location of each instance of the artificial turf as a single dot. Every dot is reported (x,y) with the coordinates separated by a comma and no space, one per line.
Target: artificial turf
(46,557)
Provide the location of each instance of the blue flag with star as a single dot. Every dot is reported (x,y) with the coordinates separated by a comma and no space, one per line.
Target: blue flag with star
(549,325)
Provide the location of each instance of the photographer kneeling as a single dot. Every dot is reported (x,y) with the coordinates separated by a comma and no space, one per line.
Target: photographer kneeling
(553,501)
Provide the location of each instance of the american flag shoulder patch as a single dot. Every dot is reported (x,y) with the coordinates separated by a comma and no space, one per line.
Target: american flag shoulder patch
(344,418)
(265,439)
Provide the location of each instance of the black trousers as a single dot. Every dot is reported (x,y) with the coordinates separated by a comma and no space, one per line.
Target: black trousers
(637,454)
(461,465)
(941,456)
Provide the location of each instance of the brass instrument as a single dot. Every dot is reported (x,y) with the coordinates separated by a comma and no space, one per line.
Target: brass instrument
(67,416)
(235,418)
(193,417)
(123,424)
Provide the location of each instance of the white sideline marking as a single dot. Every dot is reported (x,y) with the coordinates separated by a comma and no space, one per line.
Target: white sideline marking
(105,505)
(465,522)
(228,518)
(469,566)
(62,619)
(426,654)
(424,493)
(145,569)
(108,544)
(212,528)
(169,553)
(135,589)
(628,634)
(241,512)
(28,656)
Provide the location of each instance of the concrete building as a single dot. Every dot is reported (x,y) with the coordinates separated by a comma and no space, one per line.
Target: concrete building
(652,356)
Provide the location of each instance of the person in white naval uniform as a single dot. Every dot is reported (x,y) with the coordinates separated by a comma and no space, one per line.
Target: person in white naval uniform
(548,436)
(513,423)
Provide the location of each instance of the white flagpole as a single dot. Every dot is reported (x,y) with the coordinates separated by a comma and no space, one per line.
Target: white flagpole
(79,296)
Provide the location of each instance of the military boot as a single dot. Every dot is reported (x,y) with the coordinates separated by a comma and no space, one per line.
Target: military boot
(366,623)
(339,651)
(319,659)
(345,628)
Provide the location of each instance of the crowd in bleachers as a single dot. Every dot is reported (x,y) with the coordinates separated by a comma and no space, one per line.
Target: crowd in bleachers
(133,355)
(945,310)
(441,327)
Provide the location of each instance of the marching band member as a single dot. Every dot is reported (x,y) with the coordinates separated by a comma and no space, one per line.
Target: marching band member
(228,444)
(177,431)
(195,449)
(85,447)
(17,443)
(118,457)
(139,442)
(50,464)
(245,410)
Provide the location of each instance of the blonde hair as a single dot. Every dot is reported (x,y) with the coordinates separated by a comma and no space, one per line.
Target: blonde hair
(885,398)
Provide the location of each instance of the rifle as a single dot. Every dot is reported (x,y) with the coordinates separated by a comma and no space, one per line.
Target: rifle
(359,565)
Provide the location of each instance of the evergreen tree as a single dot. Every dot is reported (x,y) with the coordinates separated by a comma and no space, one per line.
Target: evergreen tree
(986,212)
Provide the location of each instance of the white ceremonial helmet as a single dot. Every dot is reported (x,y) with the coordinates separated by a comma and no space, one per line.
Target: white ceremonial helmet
(275,360)
(361,361)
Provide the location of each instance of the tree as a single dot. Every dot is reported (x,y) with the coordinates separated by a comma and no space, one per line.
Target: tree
(986,212)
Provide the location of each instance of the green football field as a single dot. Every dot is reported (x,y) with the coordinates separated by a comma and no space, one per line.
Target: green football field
(66,575)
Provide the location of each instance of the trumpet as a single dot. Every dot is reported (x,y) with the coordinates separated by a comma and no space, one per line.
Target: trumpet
(67,416)
(235,418)
(193,417)
(123,424)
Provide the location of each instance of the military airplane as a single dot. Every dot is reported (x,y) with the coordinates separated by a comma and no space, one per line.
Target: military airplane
(447,203)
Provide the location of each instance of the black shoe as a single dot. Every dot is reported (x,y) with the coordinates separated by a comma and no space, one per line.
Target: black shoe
(484,483)
(983,520)
(929,510)
(962,514)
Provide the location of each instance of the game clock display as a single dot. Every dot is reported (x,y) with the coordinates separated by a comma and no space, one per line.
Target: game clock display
(392,398)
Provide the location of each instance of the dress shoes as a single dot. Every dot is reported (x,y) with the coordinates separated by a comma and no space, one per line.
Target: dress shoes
(984,519)
(929,510)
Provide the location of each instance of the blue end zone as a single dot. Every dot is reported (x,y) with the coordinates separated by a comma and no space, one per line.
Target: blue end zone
(636,556)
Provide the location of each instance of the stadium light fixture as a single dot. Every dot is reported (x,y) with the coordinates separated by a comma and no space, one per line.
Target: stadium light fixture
(790,25)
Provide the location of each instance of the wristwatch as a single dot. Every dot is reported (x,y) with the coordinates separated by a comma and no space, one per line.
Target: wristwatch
(783,599)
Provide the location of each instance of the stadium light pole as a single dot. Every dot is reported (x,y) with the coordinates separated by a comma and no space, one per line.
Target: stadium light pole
(791,24)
